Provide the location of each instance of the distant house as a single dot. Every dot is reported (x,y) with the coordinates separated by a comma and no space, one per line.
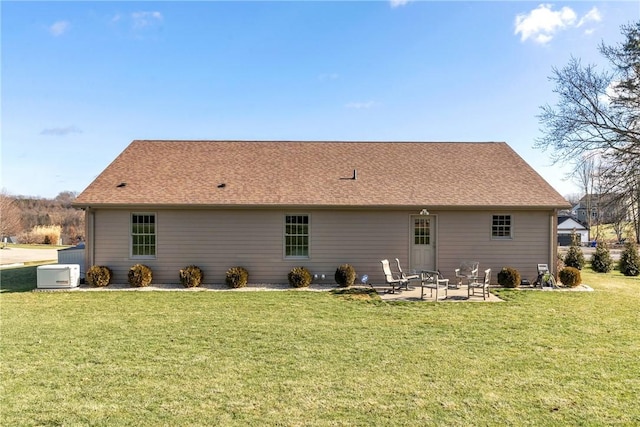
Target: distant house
(270,206)
(600,209)
(568,225)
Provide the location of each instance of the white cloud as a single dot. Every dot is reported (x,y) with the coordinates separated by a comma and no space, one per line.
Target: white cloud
(542,23)
(361,105)
(398,3)
(58,28)
(60,131)
(145,19)
(592,16)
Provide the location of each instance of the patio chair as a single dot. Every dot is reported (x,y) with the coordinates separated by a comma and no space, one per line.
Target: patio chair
(395,282)
(468,271)
(404,276)
(481,285)
(433,280)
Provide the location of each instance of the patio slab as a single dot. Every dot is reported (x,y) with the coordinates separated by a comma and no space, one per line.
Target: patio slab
(453,295)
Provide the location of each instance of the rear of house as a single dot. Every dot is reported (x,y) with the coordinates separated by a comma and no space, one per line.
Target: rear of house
(269,206)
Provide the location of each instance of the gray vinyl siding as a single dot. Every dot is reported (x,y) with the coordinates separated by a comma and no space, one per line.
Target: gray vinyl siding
(216,240)
(464,235)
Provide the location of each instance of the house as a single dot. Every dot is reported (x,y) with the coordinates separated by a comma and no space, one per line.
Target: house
(272,205)
(568,225)
(602,208)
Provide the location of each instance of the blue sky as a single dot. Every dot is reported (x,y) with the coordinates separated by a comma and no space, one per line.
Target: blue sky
(81,80)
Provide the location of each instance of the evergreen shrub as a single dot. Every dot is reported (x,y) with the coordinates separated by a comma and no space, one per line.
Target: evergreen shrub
(629,260)
(299,277)
(601,261)
(191,276)
(574,257)
(98,275)
(509,277)
(570,277)
(237,277)
(139,276)
(345,275)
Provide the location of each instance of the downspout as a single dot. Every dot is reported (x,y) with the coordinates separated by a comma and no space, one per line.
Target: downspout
(553,242)
(90,232)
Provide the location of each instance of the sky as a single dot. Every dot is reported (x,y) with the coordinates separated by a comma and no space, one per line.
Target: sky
(81,80)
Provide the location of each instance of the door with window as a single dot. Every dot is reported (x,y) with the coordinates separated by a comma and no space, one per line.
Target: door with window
(423,242)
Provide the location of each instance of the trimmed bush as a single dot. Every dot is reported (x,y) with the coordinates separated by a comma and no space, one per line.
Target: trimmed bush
(98,275)
(601,261)
(629,260)
(139,276)
(237,277)
(299,277)
(570,277)
(574,257)
(191,276)
(509,277)
(345,275)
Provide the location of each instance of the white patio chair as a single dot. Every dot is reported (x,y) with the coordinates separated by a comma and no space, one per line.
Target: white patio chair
(468,271)
(481,285)
(433,280)
(395,282)
(405,276)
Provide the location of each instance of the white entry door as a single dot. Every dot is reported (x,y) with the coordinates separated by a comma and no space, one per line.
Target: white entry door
(423,242)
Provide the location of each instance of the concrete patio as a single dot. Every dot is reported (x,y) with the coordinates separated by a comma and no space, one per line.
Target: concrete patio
(453,295)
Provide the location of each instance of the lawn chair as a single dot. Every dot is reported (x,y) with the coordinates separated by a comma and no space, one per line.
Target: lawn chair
(483,286)
(395,282)
(468,271)
(404,276)
(433,280)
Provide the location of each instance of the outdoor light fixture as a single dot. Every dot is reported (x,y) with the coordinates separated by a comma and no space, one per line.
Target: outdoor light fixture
(424,212)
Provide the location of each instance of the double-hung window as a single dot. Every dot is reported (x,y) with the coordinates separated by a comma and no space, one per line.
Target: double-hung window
(296,236)
(143,235)
(501,227)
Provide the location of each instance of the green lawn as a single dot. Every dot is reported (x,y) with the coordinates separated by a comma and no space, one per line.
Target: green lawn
(318,359)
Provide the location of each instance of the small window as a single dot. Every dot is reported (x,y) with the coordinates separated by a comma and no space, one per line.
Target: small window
(296,236)
(501,227)
(143,236)
(421,231)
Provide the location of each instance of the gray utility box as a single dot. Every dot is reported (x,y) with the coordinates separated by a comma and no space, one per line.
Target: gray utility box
(57,276)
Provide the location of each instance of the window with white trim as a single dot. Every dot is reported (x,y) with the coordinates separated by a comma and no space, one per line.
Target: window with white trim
(501,227)
(296,236)
(421,231)
(143,235)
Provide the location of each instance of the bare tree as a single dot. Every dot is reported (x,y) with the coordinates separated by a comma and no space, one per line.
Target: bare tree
(598,114)
(573,198)
(10,216)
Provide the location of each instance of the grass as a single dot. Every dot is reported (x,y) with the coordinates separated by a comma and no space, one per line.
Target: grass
(319,358)
(31,246)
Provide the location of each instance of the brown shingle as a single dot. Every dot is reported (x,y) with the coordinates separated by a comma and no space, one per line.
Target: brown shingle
(283,173)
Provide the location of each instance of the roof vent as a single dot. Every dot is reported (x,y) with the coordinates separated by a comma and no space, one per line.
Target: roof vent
(354,177)
(222,185)
(122,184)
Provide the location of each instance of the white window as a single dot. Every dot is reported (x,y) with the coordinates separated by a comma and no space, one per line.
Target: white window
(501,227)
(296,236)
(143,235)
(421,231)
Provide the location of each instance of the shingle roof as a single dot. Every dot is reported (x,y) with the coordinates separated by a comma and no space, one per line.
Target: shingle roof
(285,173)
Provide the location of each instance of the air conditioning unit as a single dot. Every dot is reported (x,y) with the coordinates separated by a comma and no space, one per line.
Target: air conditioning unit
(57,276)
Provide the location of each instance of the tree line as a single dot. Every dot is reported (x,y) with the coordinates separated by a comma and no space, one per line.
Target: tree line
(38,220)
